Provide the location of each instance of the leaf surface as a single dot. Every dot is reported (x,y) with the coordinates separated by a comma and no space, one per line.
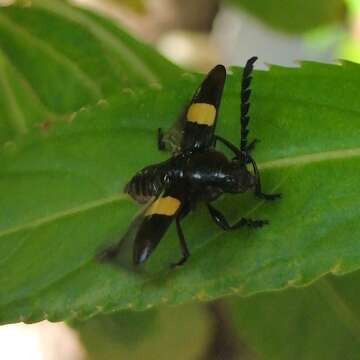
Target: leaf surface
(56,58)
(61,199)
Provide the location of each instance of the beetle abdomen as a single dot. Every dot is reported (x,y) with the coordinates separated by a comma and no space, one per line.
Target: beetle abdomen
(146,183)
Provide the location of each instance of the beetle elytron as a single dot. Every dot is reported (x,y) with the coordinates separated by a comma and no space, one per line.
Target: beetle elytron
(195,172)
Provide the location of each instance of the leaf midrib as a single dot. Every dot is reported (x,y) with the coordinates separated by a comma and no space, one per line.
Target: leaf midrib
(273,164)
(311,158)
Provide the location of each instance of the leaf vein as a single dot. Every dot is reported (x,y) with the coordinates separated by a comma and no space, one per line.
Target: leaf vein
(105,36)
(65,213)
(26,85)
(17,118)
(311,158)
(54,54)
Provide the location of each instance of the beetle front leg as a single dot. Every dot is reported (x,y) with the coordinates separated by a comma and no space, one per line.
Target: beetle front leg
(258,193)
(221,221)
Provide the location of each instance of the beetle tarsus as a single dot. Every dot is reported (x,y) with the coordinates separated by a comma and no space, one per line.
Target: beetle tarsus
(270,197)
(254,224)
(181,262)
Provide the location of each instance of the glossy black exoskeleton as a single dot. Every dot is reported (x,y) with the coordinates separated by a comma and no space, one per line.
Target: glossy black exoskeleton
(195,172)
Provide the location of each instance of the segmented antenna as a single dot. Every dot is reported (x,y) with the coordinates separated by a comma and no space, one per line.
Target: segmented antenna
(245,105)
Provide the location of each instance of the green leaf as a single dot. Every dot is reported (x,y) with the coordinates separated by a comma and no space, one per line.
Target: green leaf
(55,58)
(295,16)
(61,199)
(151,334)
(321,321)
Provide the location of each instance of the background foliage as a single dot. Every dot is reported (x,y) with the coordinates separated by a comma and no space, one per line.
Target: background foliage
(295,16)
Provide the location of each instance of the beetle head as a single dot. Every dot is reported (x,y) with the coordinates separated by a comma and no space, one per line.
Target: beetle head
(239,179)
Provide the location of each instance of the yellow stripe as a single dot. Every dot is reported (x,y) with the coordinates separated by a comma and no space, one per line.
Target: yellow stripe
(201,113)
(167,205)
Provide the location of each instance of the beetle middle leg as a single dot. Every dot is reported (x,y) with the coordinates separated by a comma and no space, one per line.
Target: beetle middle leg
(250,147)
(228,144)
(221,221)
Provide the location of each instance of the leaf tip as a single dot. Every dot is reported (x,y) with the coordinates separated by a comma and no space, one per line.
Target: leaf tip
(336,269)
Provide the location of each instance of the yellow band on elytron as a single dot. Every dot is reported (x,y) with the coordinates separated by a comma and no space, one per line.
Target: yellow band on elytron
(167,205)
(202,114)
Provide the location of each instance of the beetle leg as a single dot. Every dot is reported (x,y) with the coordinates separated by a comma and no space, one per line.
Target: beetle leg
(228,144)
(108,254)
(160,140)
(258,192)
(263,196)
(221,221)
(182,241)
(250,147)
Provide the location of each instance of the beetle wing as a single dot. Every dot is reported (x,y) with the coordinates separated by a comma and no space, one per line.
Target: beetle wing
(195,127)
(145,231)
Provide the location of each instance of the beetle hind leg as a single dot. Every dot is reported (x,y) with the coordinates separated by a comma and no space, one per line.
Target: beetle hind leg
(183,245)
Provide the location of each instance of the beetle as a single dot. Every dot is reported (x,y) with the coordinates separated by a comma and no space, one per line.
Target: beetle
(196,171)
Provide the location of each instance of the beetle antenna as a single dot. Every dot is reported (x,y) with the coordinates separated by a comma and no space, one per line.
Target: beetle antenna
(244,100)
